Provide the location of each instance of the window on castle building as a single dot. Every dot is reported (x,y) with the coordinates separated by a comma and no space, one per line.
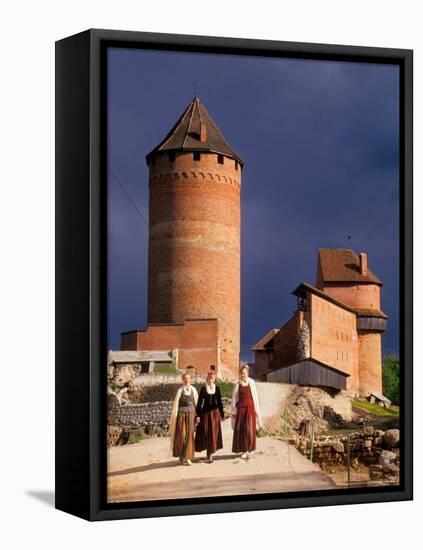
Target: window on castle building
(197,155)
(171,157)
(220,159)
(236,165)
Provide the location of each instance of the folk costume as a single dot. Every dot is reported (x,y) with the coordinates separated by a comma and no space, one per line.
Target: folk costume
(208,436)
(245,416)
(182,423)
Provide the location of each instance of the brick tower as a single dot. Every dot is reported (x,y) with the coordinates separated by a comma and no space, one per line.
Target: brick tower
(345,276)
(194,231)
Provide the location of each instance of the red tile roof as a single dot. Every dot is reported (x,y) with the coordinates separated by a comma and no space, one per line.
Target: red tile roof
(342,265)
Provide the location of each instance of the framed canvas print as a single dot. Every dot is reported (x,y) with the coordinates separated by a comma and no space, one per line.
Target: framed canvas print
(234,274)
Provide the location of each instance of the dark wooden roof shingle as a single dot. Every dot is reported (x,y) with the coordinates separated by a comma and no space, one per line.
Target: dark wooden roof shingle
(186,134)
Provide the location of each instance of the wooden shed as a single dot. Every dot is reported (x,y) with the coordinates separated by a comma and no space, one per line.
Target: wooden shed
(309,372)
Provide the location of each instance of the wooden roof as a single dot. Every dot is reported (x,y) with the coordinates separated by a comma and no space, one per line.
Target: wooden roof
(362,312)
(260,346)
(185,134)
(342,265)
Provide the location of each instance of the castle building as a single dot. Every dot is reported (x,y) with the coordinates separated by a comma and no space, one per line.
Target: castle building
(194,247)
(334,337)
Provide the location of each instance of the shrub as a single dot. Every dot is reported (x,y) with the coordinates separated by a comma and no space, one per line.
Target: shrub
(164,369)
(391,378)
(226,388)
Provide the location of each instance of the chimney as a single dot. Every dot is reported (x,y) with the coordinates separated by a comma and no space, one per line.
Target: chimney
(203,132)
(363,263)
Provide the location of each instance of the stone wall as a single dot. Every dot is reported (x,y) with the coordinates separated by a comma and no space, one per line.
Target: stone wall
(141,415)
(156,379)
(141,419)
(374,448)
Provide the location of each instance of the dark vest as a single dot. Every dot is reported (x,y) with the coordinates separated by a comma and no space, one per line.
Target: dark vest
(186,402)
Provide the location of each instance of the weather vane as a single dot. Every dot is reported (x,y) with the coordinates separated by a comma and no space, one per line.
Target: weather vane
(195,89)
(349,240)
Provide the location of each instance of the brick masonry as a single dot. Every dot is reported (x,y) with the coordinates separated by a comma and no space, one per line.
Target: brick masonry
(197,342)
(370,359)
(194,246)
(334,339)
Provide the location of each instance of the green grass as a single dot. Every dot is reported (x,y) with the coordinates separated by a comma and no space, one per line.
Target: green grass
(164,369)
(377,410)
(226,388)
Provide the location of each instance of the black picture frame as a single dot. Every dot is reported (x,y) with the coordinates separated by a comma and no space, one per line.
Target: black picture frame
(81,267)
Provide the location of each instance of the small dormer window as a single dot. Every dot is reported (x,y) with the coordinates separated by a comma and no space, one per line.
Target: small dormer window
(171,157)
(197,155)
(220,159)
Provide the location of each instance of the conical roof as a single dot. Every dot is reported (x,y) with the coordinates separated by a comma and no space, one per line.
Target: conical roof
(195,131)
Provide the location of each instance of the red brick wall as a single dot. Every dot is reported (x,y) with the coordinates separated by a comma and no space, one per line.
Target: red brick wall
(196,341)
(194,246)
(366,296)
(370,355)
(334,339)
(285,344)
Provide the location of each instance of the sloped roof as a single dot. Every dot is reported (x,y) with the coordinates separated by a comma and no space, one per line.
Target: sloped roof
(361,312)
(261,343)
(305,287)
(342,265)
(185,134)
(133,356)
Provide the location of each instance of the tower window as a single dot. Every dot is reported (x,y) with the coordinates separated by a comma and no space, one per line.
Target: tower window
(197,155)
(236,165)
(220,159)
(171,157)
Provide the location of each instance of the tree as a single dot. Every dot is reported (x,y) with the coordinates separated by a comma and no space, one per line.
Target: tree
(391,378)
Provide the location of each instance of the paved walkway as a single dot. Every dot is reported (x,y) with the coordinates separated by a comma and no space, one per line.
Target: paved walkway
(147,471)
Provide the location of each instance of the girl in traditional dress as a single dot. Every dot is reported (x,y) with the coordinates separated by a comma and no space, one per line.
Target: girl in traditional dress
(245,414)
(208,436)
(182,421)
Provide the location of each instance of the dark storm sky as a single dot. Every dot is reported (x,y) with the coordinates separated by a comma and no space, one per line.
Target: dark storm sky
(321,145)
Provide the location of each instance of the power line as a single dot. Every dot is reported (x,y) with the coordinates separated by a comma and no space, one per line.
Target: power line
(128,196)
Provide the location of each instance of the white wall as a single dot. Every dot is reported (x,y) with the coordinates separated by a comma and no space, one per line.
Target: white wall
(29,29)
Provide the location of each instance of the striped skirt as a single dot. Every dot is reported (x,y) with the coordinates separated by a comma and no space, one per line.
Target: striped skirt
(183,443)
(208,436)
(244,430)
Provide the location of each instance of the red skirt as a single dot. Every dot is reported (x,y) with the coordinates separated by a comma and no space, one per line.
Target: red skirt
(244,430)
(208,436)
